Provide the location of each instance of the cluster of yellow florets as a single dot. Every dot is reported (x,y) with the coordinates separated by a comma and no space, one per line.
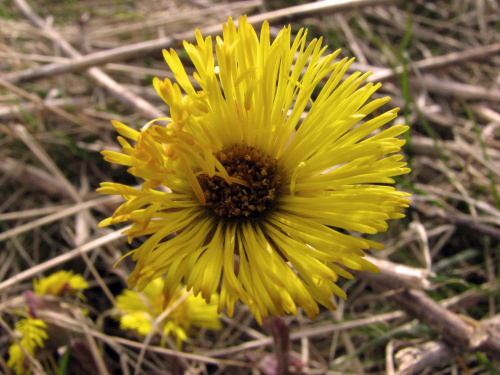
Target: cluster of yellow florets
(30,331)
(144,313)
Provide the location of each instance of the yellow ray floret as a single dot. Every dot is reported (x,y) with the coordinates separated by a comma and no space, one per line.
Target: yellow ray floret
(252,187)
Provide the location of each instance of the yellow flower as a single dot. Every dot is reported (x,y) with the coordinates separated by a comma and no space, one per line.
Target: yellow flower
(139,311)
(59,283)
(31,333)
(243,191)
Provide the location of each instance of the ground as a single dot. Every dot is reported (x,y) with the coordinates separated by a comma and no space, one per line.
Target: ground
(433,309)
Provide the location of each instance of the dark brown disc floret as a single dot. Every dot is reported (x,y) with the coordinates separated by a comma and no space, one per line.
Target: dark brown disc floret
(251,199)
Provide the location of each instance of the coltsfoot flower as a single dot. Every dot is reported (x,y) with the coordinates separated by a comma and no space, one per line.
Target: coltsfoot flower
(59,283)
(244,194)
(32,334)
(139,312)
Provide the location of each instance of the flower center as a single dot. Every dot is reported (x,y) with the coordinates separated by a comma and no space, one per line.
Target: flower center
(234,201)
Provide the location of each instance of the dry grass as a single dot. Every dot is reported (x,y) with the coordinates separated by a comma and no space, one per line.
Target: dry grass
(438,60)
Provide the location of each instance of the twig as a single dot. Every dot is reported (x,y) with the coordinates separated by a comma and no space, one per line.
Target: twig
(438,62)
(456,89)
(65,321)
(456,331)
(46,160)
(31,213)
(413,360)
(486,113)
(478,204)
(154,329)
(32,176)
(457,219)
(401,275)
(435,85)
(35,99)
(29,358)
(317,331)
(91,344)
(13,112)
(63,258)
(316,8)
(72,210)
(166,20)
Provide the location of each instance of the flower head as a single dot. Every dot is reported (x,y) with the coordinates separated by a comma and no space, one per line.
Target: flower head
(245,193)
(140,310)
(32,334)
(59,283)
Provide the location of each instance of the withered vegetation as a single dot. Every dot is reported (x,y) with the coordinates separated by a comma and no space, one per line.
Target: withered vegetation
(67,68)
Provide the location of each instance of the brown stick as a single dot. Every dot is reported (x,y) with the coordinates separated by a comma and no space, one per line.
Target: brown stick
(457,219)
(439,62)
(461,333)
(446,87)
(13,112)
(415,359)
